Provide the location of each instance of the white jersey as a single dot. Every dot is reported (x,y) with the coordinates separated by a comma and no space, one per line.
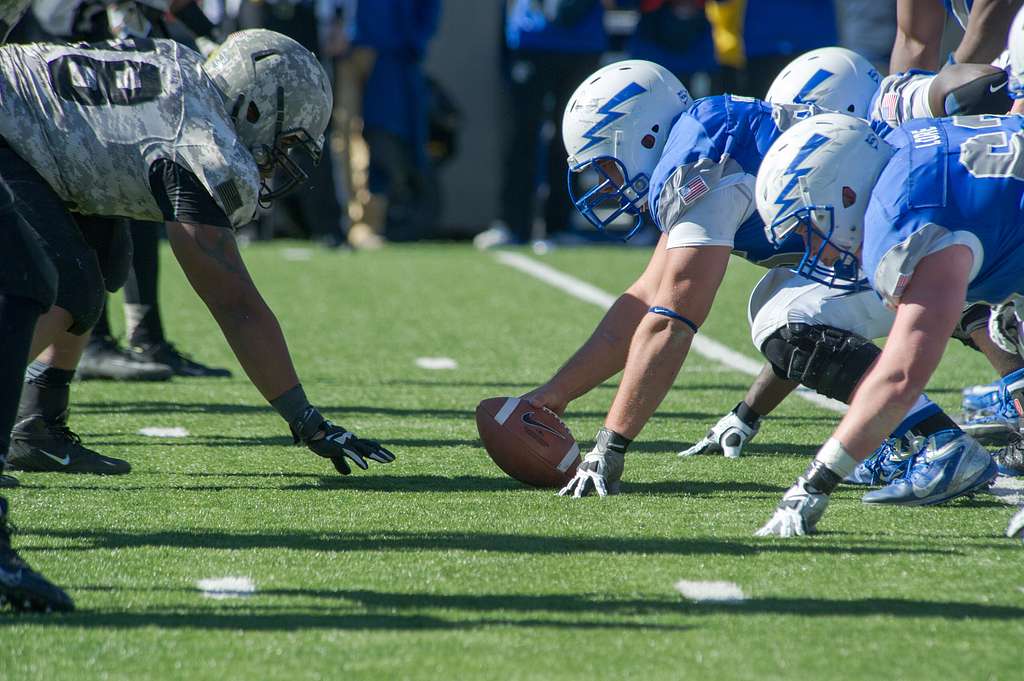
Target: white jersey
(93,119)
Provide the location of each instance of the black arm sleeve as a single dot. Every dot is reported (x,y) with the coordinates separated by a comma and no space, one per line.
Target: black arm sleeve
(182,198)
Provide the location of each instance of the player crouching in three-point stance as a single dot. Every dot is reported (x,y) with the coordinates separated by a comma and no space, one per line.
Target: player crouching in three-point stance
(933,215)
(691,168)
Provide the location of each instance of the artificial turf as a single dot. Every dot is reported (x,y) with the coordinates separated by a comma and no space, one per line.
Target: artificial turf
(438,566)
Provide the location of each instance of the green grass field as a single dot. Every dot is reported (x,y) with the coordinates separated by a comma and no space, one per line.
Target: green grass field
(439,567)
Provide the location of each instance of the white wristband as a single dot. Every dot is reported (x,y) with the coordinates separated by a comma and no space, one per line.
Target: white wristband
(835,457)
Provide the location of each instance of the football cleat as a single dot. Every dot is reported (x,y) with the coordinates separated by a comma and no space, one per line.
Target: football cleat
(979,400)
(103,358)
(1016,527)
(1010,459)
(20,586)
(1000,422)
(888,462)
(181,364)
(8,481)
(728,436)
(951,464)
(38,446)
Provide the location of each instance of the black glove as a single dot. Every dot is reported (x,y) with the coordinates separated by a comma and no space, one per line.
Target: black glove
(333,442)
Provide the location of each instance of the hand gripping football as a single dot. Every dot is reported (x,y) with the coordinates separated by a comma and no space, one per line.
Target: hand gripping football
(531,444)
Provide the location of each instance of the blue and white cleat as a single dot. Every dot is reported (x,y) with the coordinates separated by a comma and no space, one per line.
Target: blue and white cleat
(951,464)
(999,422)
(889,462)
(979,400)
(1010,459)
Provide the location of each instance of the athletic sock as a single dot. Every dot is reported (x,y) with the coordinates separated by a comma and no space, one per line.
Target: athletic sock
(746,414)
(17,323)
(46,392)
(922,409)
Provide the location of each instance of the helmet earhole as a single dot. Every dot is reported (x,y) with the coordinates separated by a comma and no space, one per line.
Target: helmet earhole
(648,141)
(849,197)
(252,114)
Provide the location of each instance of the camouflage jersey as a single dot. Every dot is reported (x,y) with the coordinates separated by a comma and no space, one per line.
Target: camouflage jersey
(93,119)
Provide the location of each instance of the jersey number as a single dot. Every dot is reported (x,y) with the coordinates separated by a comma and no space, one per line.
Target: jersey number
(92,82)
(991,154)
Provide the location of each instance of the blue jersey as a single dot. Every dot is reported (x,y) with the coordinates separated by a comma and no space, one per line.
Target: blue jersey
(951,181)
(718,141)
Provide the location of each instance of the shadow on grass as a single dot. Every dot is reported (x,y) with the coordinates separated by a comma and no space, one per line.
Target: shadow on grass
(88,540)
(345,609)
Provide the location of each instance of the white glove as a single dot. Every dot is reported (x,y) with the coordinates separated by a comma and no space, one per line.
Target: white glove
(1016,527)
(797,514)
(600,470)
(728,436)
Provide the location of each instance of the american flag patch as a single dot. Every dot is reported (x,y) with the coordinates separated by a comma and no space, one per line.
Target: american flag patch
(901,284)
(693,190)
(890,104)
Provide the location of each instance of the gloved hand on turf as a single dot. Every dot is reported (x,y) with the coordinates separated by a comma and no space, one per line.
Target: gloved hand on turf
(601,469)
(325,439)
(728,436)
(798,513)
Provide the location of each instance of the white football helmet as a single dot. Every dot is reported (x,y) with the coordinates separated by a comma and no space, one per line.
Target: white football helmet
(819,175)
(833,78)
(1015,45)
(616,124)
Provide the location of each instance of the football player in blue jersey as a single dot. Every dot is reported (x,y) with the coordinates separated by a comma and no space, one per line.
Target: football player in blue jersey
(631,127)
(933,216)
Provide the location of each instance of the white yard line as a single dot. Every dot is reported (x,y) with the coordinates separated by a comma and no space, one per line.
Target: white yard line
(710,592)
(220,588)
(703,344)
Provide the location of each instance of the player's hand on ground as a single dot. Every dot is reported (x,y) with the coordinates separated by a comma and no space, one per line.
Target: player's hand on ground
(547,398)
(797,514)
(333,442)
(728,436)
(598,472)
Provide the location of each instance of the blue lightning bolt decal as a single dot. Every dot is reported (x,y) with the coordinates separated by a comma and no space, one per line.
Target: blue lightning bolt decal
(817,79)
(795,172)
(610,115)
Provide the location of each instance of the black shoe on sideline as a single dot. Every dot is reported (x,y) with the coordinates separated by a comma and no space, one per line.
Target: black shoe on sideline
(22,587)
(105,359)
(181,364)
(38,446)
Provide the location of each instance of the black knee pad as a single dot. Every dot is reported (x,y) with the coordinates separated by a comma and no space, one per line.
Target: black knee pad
(112,241)
(828,360)
(81,291)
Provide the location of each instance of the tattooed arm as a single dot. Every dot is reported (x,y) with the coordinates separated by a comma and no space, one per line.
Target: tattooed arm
(210,259)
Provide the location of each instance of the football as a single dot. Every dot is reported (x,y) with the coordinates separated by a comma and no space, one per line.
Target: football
(531,444)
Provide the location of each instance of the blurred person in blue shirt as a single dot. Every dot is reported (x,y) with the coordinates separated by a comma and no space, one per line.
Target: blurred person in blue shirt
(549,47)
(675,34)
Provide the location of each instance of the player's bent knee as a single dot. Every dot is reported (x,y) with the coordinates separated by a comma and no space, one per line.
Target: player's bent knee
(828,360)
(81,293)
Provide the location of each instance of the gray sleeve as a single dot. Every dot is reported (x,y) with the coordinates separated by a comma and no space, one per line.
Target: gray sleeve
(689,184)
(896,267)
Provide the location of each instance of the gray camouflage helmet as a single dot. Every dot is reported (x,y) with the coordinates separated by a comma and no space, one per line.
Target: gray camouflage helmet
(278,97)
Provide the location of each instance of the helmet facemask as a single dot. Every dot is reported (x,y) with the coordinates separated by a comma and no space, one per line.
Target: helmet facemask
(612,193)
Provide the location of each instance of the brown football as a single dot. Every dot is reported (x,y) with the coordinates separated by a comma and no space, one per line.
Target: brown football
(529,443)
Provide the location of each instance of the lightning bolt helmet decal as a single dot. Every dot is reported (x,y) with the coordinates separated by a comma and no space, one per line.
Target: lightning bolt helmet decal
(610,115)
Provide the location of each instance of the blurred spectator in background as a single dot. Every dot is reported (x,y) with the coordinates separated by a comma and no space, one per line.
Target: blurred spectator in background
(755,39)
(675,34)
(315,211)
(550,47)
(383,79)
(868,27)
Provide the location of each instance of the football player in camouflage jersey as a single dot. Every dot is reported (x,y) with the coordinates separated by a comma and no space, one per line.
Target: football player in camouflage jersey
(194,147)
(22,300)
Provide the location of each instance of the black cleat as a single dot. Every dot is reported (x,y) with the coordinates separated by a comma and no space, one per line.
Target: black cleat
(8,481)
(180,364)
(21,586)
(1010,459)
(105,359)
(39,446)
